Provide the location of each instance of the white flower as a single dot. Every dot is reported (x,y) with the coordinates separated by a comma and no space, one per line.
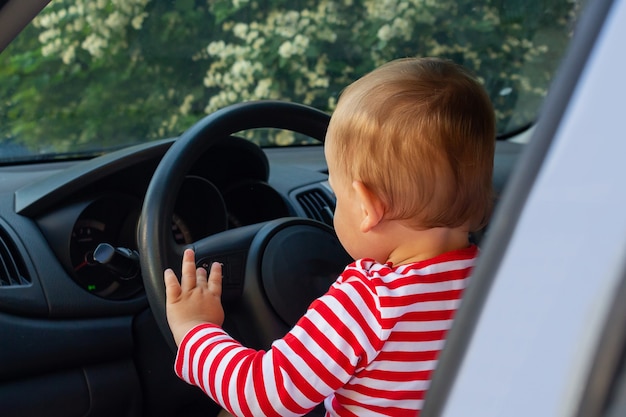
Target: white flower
(137,21)
(385,33)
(242,69)
(215,48)
(69,54)
(240,30)
(286,50)
(94,45)
(186,106)
(262,89)
(301,43)
(116,20)
(47,35)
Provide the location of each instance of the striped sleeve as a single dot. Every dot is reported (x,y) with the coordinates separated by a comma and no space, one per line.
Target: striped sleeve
(339,334)
(367,347)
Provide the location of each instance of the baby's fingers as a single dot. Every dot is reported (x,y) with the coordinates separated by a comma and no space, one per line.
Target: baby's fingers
(172,287)
(188,279)
(215,279)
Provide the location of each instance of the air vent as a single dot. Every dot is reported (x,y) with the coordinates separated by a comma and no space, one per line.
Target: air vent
(317,205)
(12,269)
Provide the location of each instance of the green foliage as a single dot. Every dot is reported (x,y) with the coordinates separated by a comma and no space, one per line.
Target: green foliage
(103,74)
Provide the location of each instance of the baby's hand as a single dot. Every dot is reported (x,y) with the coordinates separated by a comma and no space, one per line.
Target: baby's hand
(196,299)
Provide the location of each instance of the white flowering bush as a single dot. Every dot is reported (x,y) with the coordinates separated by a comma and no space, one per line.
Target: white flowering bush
(101,26)
(132,70)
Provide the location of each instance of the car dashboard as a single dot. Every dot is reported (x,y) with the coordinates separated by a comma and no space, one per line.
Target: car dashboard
(77,208)
(79,331)
(65,316)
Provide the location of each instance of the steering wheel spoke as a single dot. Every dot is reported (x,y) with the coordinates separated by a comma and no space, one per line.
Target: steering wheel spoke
(230,248)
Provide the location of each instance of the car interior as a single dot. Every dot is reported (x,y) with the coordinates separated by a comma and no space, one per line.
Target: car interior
(84,242)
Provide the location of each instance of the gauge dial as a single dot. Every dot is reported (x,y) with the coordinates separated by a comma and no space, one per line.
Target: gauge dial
(106,220)
(180,231)
(199,211)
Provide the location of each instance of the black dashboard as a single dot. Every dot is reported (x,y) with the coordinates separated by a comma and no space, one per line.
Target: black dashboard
(79,333)
(227,188)
(75,327)
(71,209)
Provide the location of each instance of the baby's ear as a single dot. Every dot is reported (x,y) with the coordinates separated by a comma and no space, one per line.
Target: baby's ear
(372,207)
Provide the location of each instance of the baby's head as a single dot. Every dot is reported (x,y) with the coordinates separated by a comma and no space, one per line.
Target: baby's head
(420,134)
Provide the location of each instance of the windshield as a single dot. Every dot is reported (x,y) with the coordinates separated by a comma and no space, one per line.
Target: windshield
(88,77)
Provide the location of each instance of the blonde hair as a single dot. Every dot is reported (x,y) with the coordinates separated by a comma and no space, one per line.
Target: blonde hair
(419,133)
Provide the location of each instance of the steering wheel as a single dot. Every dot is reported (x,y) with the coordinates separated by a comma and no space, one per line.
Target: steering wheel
(272,270)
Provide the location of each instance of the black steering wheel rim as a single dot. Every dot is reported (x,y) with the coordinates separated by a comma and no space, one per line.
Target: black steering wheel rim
(157,248)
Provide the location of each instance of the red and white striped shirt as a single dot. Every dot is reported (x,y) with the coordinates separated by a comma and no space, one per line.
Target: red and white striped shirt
(366,347)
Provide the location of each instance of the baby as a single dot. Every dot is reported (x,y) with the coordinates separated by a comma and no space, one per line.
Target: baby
(410,151)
